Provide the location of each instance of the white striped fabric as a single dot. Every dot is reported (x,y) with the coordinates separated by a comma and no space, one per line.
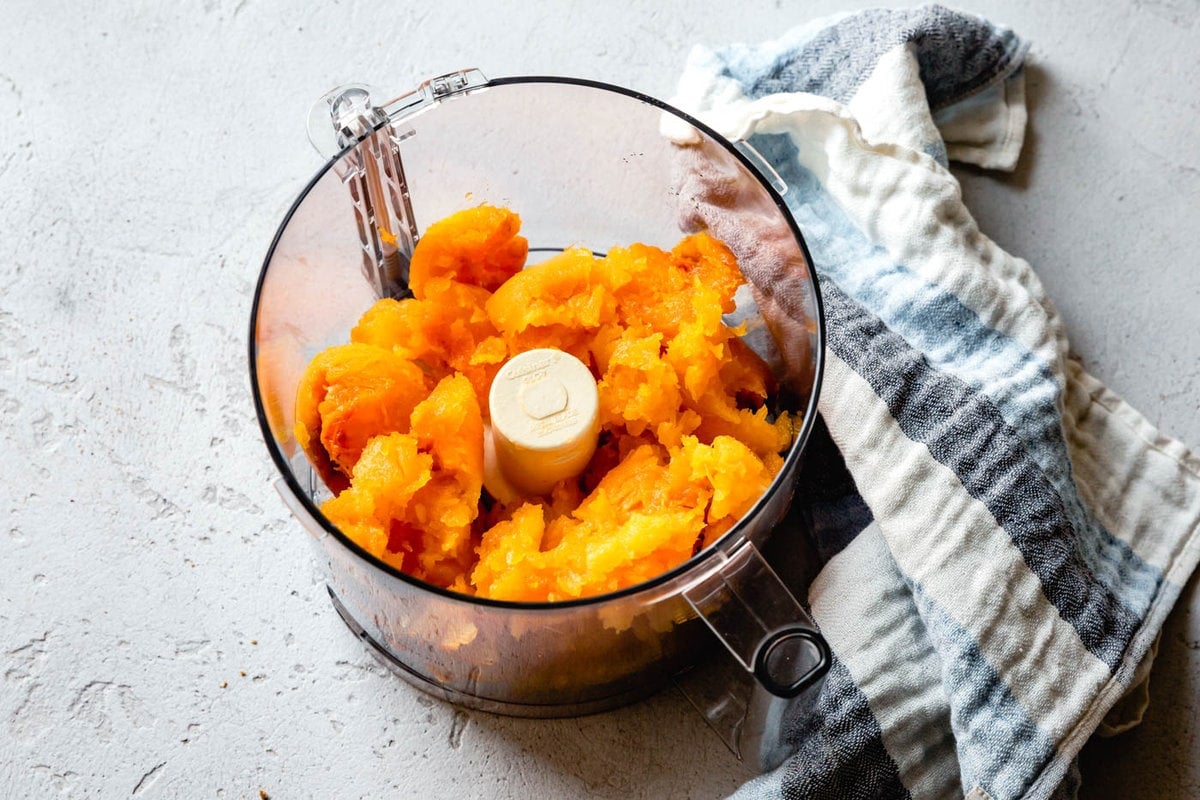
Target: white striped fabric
(1002,537)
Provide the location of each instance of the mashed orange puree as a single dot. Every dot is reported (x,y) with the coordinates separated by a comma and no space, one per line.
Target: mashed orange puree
(394,420)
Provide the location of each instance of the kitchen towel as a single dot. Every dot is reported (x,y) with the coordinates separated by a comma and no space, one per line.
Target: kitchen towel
(1001,536)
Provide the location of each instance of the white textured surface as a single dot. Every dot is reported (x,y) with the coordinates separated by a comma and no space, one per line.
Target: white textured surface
(147,154)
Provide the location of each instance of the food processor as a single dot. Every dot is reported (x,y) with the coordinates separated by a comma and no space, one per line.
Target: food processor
(584,164)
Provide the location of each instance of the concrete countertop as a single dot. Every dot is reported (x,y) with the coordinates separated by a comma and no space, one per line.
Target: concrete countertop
(163,632)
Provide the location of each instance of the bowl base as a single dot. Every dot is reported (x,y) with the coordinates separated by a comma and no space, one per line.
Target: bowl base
(479,703)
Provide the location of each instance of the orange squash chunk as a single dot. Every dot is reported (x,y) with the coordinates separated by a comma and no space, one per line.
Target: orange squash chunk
(745,375)
(654,294)
(449,425)
(387,476)
(735,475)
(477,246)
(713,264)
(447,332)
(414,496)
(559,303)
(349,394)
(639,390)
(502,572)
(566,289)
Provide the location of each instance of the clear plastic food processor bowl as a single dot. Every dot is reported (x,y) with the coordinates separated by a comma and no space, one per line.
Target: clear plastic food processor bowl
(582,163)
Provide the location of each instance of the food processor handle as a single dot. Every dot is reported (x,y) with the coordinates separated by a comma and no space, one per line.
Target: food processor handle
(778,657)
(361,132)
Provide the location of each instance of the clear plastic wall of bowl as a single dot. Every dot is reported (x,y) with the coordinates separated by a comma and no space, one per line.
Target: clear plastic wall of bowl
(588,164)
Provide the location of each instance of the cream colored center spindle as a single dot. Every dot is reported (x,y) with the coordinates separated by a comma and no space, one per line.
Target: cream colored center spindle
(545,423)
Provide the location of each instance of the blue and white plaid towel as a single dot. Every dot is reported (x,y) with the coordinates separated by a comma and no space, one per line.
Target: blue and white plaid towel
(1003,536)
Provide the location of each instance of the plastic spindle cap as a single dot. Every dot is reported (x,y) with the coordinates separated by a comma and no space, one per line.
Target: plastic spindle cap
(545,420)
